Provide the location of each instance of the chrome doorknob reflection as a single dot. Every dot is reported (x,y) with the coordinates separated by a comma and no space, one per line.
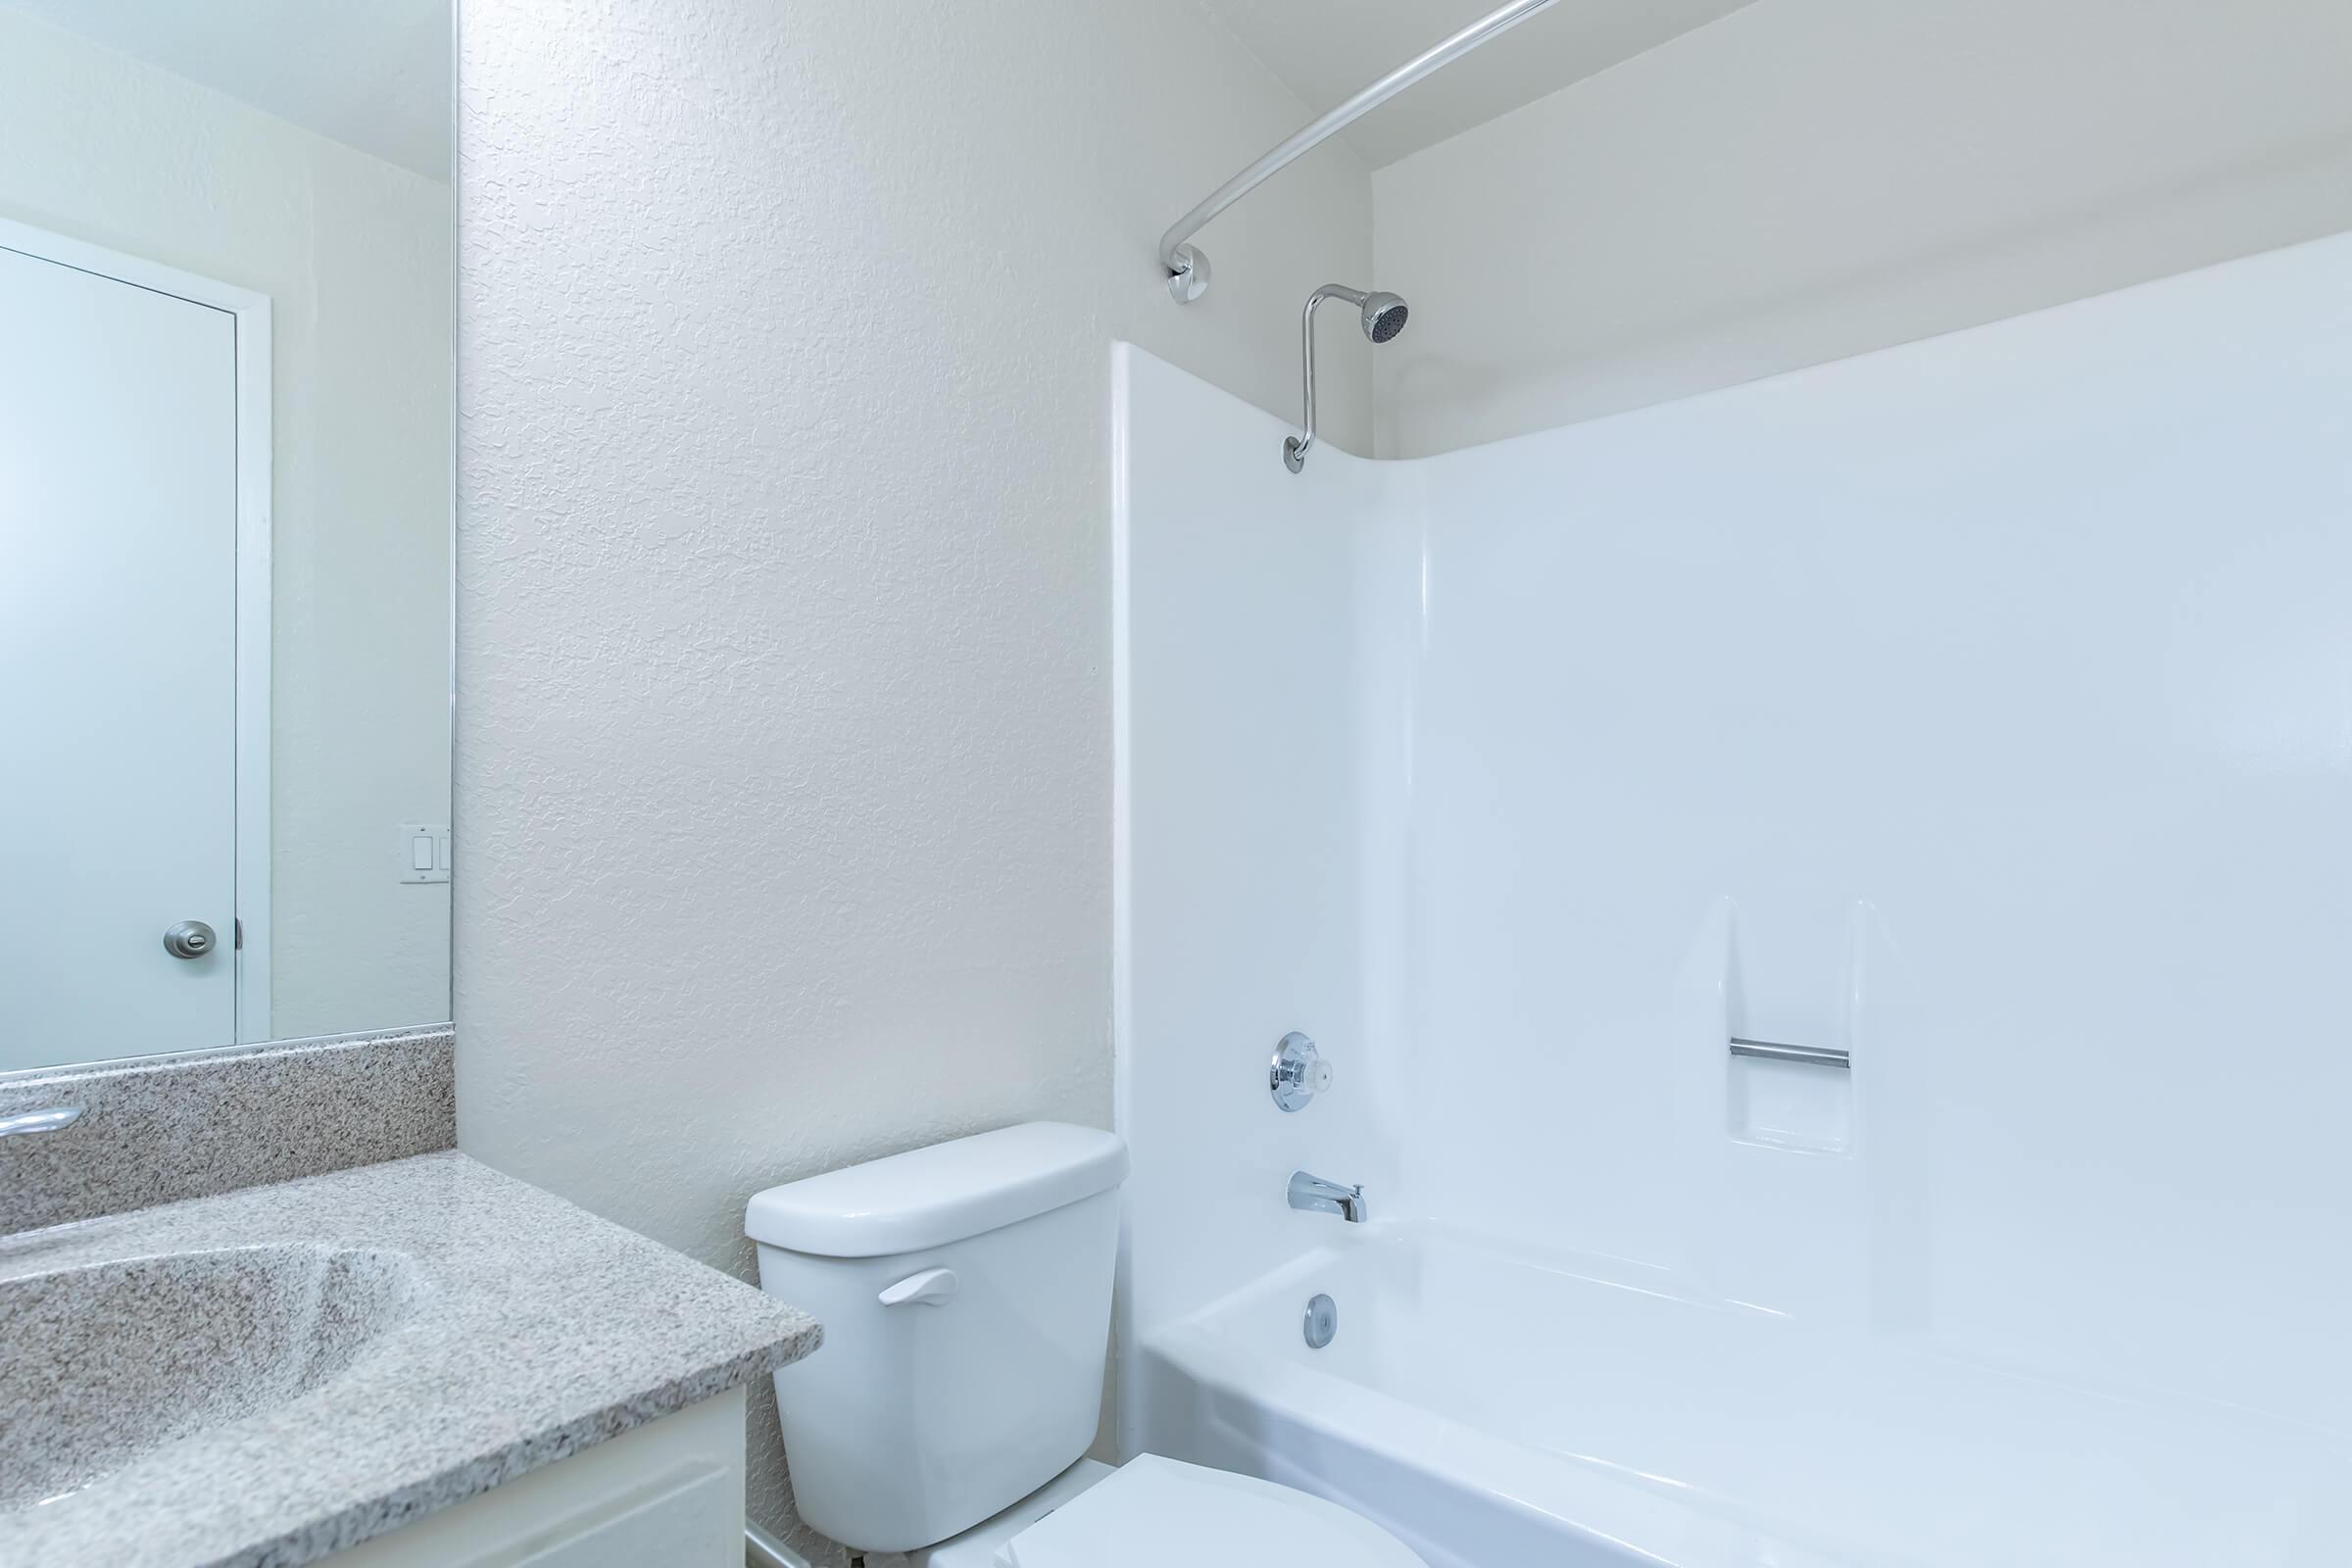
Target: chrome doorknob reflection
(191,938)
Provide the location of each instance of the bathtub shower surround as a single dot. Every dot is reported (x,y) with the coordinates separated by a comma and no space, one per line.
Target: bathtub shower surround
(1967,720)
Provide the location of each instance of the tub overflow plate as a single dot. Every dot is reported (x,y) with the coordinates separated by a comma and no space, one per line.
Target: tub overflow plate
(1322,1322)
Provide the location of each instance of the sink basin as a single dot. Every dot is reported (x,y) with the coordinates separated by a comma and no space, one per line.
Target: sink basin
(104,1363)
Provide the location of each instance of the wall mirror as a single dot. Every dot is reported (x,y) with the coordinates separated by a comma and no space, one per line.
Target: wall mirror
(226,411)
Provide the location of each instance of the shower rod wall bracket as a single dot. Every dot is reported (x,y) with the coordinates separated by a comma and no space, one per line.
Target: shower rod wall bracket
(1188,268)
(1190,279)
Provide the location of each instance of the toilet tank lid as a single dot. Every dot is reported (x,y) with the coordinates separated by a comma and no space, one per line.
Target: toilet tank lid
(945,1193)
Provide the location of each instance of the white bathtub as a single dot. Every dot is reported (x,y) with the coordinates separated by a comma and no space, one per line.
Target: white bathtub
(1496,1412)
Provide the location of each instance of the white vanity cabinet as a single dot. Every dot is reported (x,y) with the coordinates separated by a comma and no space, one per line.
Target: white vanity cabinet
(668,1493)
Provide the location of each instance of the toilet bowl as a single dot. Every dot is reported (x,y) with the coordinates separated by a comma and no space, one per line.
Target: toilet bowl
(964,1290)
(1152,1512)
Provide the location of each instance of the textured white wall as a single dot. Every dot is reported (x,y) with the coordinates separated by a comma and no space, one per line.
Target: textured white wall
(784,726)
(354,255)
(1807,179)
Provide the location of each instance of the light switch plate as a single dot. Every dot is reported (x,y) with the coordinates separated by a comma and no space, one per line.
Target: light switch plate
(423,852)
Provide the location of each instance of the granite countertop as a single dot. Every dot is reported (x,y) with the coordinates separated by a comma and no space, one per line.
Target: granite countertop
(453,1327)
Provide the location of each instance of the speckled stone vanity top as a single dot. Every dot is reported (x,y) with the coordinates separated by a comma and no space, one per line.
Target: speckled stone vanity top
(441,1328)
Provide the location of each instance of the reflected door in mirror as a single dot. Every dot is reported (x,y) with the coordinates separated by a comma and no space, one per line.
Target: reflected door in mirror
(225,437)
(119,430)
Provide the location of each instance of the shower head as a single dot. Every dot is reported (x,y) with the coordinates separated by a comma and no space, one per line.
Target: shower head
(1384,319)
(1384,316)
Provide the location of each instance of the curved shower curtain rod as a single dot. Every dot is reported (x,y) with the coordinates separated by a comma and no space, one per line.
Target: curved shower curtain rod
(1188,268)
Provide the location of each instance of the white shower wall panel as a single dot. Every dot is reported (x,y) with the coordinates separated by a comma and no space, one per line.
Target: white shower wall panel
(1257,761)
(1984,707)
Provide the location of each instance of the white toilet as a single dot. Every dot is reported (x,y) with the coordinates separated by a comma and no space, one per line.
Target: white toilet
(964,1290)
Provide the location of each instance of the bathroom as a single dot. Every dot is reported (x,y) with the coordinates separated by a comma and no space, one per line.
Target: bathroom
(797,877)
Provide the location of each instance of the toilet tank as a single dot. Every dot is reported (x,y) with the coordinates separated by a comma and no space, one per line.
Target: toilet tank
(964,1290)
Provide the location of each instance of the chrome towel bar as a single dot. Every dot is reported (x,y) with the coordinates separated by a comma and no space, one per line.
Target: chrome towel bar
(1809,1056)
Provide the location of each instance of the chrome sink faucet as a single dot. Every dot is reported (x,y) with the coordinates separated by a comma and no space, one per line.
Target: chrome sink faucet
(39,1121)
(1328,1198)
(48,1119)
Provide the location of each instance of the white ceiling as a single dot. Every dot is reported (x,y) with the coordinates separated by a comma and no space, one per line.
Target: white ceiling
(370,73)
(1325,50)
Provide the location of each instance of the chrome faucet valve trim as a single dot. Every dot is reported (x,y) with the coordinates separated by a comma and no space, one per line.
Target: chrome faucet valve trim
(1299,1072)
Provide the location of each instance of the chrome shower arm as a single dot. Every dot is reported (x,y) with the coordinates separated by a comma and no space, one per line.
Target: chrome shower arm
(1295,448)
(1188,268)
